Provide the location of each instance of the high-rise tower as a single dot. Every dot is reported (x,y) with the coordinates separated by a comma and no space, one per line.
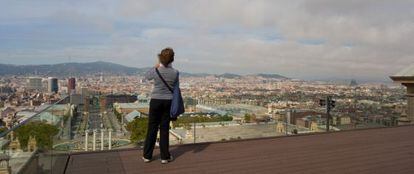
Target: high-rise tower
(53,86)
(72,85)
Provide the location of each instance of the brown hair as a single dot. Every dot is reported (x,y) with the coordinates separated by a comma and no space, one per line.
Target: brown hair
(166,56)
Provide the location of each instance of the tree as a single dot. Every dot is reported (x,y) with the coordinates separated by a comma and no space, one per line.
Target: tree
(2,129)
(42,132)
(247,118)
(187,121)
(227,118)
(138,128)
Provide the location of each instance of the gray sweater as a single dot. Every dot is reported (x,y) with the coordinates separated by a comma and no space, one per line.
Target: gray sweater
(159,90)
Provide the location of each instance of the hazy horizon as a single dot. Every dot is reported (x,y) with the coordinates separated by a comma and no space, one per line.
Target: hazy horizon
(327,79)
(318,39)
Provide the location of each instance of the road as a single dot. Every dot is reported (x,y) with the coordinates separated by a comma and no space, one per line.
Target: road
(95,120)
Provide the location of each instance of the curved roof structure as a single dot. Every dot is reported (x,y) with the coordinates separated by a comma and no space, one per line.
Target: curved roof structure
(131,116)
(405,76)
(407,72)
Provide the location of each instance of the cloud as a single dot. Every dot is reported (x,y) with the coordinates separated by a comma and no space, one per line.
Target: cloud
(305,39)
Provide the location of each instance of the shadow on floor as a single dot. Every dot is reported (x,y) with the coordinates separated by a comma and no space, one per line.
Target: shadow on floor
(180,150)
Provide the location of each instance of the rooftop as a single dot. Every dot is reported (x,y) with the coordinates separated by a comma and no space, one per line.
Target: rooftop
(407,72)
(405,76)
(131,116)
(383,150)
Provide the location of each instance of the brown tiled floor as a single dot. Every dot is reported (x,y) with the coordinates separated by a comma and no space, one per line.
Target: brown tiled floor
(389,150)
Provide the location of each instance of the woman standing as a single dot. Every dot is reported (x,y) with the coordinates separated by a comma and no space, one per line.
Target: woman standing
(160,104)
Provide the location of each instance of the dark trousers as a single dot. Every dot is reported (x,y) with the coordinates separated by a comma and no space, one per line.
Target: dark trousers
(159,117)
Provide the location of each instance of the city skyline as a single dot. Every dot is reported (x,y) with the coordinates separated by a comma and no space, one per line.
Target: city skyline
(263,86)
(323,39)
(72,69)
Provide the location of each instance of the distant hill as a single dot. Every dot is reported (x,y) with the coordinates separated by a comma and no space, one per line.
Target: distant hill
(272,76)
(80,69)
(229,76)
(185,74)
(68,69)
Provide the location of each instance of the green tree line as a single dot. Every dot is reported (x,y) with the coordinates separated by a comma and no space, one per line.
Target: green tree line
(138,129)
(186,121)
(41,131)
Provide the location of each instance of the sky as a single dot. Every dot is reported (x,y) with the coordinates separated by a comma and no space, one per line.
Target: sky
(306,39)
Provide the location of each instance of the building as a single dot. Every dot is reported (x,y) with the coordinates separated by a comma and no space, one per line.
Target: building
(125,108)
(53,86)
(76,99)
(341,120)
(296,115)
(304,122)
(84,92)
(72,85)
(34,83)
(86,104)
(109,100)
(406,78)
(132,115)
(6,90)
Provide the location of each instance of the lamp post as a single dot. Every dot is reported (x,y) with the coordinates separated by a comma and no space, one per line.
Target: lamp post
(330,104)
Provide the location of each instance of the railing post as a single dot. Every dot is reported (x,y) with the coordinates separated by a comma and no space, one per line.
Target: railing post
(194,136)
(328,115)
(102,139)
(286,121)
(110,139)
(86,140)
(94,140)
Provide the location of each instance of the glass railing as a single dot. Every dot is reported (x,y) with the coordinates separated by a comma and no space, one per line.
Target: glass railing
(27,147)
(42,141)
(225,122)
(218,120)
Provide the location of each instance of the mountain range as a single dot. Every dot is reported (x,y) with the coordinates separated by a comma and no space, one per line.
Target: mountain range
(79,69)
(66,69)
